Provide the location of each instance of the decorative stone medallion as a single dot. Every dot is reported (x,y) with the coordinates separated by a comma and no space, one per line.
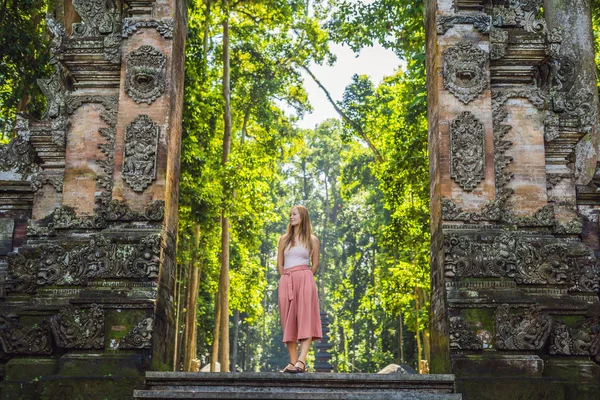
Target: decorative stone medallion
(141,336)
(464,71)
(467,156)
(145,74)
(141,146)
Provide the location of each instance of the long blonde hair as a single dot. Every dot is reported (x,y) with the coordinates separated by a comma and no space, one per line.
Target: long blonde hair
(304,230)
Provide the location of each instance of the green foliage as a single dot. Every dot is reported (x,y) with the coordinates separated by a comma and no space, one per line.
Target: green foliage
(371,217)
(24,58)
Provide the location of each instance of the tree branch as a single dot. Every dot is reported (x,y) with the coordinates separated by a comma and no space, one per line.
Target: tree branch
(344,116)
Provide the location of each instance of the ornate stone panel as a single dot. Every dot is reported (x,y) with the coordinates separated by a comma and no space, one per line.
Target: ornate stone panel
(498,43)
(480,21)
(99,19)
(139,161)
(464,71)
(140,337)
(118,210)
(526,259)
(518,14)
(18,155)
(462,337)
(145,74)
(492,211)
(467,155)
(75,328)
(131,25)
(18,339)
(528,330)
(582,341)
(58,265)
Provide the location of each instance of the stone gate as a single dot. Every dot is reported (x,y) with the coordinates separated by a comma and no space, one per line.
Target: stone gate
(515,196)
(88,206)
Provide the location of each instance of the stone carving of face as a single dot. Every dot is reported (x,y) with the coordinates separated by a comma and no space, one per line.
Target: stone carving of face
(464,71)
(145,74)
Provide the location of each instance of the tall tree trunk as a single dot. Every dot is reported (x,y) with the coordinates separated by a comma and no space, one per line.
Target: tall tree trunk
(192,304)
(214,355)
(427,347)
(324,249)
(401,338)
(184,291)
(417,335)
(224,277)
(178,285)
(305,178)
(236,336)
(205,38)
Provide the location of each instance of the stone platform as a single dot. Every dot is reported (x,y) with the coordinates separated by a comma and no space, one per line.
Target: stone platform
(313,386)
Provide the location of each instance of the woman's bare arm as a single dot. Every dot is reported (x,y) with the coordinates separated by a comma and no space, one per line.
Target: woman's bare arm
(280,257)
(315,254)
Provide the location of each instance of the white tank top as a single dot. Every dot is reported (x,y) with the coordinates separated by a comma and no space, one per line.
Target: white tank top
(297,255)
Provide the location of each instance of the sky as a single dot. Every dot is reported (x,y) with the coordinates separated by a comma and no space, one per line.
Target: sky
(375,61)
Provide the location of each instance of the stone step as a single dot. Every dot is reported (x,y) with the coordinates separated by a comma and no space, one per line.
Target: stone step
(187,394)
(313,386)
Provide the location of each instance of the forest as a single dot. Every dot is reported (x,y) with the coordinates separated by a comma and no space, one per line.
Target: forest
(364,176)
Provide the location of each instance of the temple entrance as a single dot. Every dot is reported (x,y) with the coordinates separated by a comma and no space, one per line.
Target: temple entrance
(143,195)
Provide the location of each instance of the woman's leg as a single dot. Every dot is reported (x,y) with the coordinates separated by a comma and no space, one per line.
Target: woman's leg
(304,347)
(293,350)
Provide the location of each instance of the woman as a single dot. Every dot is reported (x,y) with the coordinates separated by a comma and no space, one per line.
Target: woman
(297,263)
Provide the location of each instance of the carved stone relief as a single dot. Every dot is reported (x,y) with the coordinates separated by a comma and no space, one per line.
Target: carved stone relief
(75,328)
(131,25)
(140,337)
(115,211)
(526,260)
(518,14)
(54,91)
(118,210)
(99,19)
(462,337)
(528,330)
(18,339)
(52,264)
(464,71)
(467,155)
(145,74)
(492,211)
(141,147)
(38,180)
(480,21)
(18,155)
(582,341)
(498,43)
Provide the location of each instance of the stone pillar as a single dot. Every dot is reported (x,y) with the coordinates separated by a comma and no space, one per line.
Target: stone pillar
(512,160)
(88,210)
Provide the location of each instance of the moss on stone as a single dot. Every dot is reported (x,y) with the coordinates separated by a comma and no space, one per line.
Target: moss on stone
(495,388)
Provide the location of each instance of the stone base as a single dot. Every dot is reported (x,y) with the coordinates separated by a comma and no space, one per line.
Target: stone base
(63,388)
(511,389)
(102,364)
(582,377)
(493,365)
(74,376)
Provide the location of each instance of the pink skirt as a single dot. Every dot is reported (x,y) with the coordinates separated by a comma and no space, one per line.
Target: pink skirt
(299,305)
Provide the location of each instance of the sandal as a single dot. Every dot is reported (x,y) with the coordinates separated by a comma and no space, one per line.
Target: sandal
(289,368)
(298,370)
